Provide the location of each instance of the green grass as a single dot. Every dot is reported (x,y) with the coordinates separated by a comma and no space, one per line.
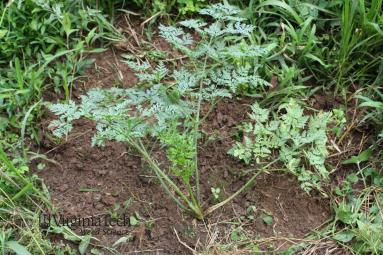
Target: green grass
(42,47)
(21,202)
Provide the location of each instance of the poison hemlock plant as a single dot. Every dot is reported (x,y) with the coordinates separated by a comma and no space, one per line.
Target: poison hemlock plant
(180,152)
(223,60)
(227,60)
(166,103)
(297,140)
(130,115)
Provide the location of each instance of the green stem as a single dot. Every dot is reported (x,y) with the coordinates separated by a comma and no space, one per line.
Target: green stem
(161,175)
(197,127)
(19,194)
(243,188)
(167,190)
(194,200)
(3,15)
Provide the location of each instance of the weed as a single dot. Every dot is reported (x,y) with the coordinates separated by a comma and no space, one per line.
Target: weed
(18,192)
(299,46)
(376,106)
(216,193)
(298,140)
(360,212)
(42,33)
(41,46)
(157,109)
(167,6)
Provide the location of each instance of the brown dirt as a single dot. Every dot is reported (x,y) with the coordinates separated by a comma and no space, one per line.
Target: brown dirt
(90,181)
(115,176)
(294,212)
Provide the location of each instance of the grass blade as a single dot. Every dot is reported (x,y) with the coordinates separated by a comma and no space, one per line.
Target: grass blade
(19,74)
(17,248)
(284,6)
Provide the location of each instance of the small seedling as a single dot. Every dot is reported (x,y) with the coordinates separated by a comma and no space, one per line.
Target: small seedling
(216,192)
(267,217)
(41,166)
(122,240)
(238,235)
(134,220)
(115,212)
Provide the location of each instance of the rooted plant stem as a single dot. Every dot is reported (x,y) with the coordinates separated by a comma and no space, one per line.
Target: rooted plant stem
(192,205)
(243,188)
(197,128)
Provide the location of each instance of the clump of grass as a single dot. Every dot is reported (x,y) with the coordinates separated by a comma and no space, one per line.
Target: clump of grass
(33,36)
(21,203)
(358,213)
(42,44)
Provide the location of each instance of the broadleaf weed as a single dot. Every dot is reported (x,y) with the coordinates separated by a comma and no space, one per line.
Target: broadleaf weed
(156,107)
(298,140)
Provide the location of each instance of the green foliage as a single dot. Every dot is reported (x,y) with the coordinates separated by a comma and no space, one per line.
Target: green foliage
(360,34)
(182,154)
(42,44)
(165,97)
(20,232)
(180,150)
(325,39)
(150,107)
(293,29)
(363,156)
(297,45)
(34,34)
(225,45)
(186,6)
(374,104)
(167,6)
(12,180)
(340,121)
(297,139)
(360,213)
(121,114)
(15,247)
